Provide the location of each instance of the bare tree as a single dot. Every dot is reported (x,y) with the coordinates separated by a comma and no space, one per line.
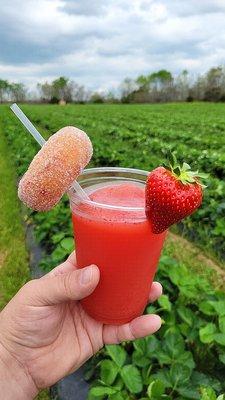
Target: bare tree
(17,92)
(127,87)
(45,90)
(4,87)
(182,86)
(79,93)
(215,78)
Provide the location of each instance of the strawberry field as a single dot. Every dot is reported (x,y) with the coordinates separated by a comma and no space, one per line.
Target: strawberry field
(186,359)
(140,137)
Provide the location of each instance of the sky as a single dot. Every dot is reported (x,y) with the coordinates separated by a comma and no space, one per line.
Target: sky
(100,42)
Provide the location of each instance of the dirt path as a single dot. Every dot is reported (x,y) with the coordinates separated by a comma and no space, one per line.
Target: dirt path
(198,254)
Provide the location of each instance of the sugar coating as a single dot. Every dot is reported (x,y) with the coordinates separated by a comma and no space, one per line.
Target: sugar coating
(54,168)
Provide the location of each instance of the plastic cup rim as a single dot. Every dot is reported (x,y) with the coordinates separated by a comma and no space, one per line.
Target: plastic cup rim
(110,169)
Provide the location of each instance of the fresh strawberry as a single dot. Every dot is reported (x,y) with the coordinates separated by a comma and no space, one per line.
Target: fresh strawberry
(172,194)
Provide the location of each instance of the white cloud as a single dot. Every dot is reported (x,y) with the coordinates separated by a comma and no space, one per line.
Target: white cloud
(98,43)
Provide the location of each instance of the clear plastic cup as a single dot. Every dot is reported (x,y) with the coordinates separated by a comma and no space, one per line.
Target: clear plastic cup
(120,241)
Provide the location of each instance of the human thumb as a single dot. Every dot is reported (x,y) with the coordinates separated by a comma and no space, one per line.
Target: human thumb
(73,285)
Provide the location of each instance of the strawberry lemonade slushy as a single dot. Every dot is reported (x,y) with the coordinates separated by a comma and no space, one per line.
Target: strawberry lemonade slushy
(114,233)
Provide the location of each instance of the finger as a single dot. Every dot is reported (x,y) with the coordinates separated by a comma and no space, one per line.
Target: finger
(69,265)
(139,327)
(72,259)
(73,285)
(155,292)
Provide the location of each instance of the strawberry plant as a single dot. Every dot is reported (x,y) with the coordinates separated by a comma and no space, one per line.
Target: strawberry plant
(186,358)
(140,136)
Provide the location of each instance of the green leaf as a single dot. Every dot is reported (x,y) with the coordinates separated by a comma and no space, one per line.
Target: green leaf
(188,179)
(172,159)
(164,302)
(67,244)
(176,170)
(173,344)
(186,166)
(93,397)
(206,308)
(164,376)
(186,315)
(206,333)
(220,338)
(156,389)
(199,379)
(152,345)
(151,309)
(202,175)
(117,353)
(163,357)
(221,397)
(188,392)
(178,274)
(118,384)
(145,373)
(59,253)
(222,324)
(102,391)
(208,394)
(140,345)
(57,237)
(219,306)
(139,359)
(186,359)
(109,371)
(116,396)
(179,374)
(222,358)
(132,378)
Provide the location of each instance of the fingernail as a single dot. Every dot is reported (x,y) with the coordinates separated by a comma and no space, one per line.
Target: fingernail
(86,275)
(160,288)
(156,320)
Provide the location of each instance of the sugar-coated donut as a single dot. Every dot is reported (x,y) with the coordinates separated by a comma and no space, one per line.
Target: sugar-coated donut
(54,168)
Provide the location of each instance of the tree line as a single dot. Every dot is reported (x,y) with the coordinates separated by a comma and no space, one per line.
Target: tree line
(10,91)
(159,86)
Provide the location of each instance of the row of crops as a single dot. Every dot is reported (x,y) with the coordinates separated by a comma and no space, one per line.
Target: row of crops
(142,136)
(186,359)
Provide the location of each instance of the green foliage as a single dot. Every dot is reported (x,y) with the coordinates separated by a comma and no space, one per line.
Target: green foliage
(132,378)
(118,354)
(194,132)
(156,389)
(14,268)
(109,371)
(186,359)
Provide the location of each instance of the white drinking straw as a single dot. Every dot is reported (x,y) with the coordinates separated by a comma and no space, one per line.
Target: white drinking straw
(39,138)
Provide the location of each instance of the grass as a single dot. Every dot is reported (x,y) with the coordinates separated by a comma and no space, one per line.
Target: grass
(14,268)
(14,271)
(195,260)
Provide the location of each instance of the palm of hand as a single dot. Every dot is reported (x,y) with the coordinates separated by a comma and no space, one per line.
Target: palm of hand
(60,341)
(53,340)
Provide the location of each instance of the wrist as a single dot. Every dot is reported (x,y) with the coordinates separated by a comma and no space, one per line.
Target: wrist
(15,381)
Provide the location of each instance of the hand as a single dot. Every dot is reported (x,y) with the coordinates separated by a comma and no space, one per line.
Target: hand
(45,332)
